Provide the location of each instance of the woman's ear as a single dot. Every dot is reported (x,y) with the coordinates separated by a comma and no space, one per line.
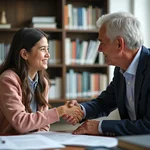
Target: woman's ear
(24,54)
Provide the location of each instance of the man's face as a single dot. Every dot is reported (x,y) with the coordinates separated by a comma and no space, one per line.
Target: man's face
(107,47)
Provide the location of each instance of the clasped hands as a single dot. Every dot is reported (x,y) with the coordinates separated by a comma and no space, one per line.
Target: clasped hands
(74,114)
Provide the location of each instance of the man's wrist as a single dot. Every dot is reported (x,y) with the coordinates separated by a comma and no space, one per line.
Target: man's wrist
(83,111)
(100,127)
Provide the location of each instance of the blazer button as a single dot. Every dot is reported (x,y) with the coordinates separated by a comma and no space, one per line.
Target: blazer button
(107,133)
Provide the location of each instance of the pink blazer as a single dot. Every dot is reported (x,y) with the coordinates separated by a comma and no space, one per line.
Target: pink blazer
(13,117)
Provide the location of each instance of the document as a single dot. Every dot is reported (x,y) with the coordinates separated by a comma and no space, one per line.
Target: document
(79,140)
(28,141)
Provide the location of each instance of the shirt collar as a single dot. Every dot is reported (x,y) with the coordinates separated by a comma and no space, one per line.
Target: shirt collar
(133,66)
(33,83)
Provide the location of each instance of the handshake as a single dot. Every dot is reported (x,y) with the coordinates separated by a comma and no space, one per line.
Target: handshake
(71,112)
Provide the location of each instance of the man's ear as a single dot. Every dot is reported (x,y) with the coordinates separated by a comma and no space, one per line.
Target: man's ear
(24,54)
(121,43)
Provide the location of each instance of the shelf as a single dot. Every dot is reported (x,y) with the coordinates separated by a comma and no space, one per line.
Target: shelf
(46,30)
(64,100)
(55,66)
(81,31)
(19,14)
(85,66)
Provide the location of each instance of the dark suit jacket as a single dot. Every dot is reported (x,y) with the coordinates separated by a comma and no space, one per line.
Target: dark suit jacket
(114,97)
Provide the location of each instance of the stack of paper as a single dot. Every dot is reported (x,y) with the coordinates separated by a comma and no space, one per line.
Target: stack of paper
(43,140)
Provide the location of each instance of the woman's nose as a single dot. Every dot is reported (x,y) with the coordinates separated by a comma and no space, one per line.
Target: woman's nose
(48,54)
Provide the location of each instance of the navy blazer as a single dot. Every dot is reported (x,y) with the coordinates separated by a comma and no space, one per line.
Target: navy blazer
(114,97)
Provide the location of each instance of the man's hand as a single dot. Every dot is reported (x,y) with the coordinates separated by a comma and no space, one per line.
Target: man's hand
(72,119)
(88,127)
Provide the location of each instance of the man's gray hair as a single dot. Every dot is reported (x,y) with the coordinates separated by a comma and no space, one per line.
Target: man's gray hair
(125,25)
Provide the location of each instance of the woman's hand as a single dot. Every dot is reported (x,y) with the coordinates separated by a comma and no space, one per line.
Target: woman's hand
(72,114)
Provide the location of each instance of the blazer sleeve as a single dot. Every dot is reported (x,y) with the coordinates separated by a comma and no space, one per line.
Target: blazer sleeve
(14,110)
(102,105)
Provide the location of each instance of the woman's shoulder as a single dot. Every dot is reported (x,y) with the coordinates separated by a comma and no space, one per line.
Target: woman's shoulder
(11,74)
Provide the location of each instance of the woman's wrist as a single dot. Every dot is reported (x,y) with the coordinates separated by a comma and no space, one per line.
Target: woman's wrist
(61,111)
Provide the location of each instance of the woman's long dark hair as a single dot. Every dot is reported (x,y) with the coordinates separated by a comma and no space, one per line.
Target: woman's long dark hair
(26,38)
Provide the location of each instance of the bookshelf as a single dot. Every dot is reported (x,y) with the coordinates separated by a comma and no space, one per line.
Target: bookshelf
(19,14)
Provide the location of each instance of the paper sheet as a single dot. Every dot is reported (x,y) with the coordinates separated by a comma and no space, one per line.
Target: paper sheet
(79,140)
(29,141)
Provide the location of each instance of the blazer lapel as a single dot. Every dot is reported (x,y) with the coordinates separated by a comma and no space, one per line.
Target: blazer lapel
(122,98)
(140,75)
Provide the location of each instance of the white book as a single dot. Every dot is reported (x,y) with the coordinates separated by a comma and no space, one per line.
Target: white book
(70,25)
(5,26)
(67,51)
(90,51)
(93,53)
(58,87)
(44,25)
(83,51)
(43,19)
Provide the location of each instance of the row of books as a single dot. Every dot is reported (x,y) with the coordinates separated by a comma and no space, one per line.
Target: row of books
(54,50)
(82,52)
(81,17)
(4,48)
(85,84)
(43,22)
(76,52)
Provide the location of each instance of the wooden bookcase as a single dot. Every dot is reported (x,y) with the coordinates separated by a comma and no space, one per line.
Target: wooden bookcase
(20,12)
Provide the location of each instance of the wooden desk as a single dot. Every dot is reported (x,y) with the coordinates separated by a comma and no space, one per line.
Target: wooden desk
(73,148)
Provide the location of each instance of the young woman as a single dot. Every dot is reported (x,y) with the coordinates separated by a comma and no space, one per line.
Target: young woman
(24,86)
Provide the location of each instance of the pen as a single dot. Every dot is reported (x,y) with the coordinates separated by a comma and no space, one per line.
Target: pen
(2,141)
